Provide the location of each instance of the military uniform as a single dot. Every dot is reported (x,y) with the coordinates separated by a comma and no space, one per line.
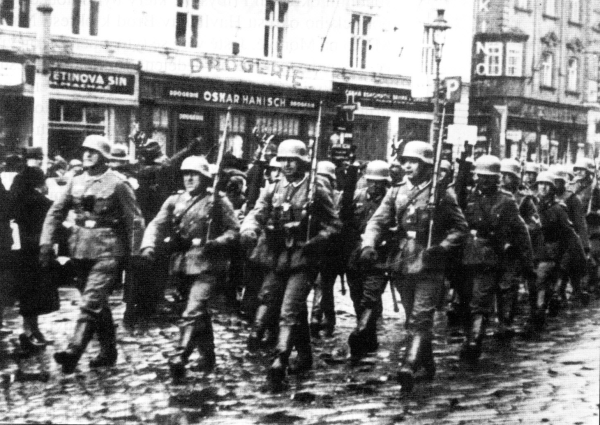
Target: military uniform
(186,220)
(418,272)
(104,221)
(498,235)
(280,221)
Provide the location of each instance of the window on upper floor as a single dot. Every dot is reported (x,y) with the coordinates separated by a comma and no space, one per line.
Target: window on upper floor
(187,23)
(514,59)
(275,23)
(359,40)
(575,11)
(84,17)
(428,53)
(547,67)
(573,75)
(14,13)
(550,7)
(494,58)
(522,4)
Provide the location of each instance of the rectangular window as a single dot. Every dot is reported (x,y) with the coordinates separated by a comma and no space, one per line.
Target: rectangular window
(187,23)
(550,8)
(428,53)
(546,70)
(575,11)
(237,123)
(160,118)
(275,23)
(84,17)
(494,58)
(572,75)
(514,59)
(285,126)
(14,13)
(359,40)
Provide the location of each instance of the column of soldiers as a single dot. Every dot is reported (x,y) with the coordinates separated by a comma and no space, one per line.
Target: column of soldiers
(511,229)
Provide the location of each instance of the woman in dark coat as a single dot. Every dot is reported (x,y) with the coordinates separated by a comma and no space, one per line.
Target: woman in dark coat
(35,294)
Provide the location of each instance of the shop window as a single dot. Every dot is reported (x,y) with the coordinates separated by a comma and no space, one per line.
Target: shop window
(72,112)
(14,13)
(187,22)
(95,115)
(575,11)
(275,23)
(547,66)
(237,123)
(572,75)
(359,40)
(550,7)
(278,125)
(77,113)
(84,17)
(514,59)
(160,118)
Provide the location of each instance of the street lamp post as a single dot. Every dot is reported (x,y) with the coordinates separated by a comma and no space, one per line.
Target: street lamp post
(438,31)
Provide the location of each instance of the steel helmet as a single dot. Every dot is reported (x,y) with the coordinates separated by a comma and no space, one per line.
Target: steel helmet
(487,165)
(198,164)
(510,166)
(274,163)
(532,167)
(292,148)
(445,165)
(420,150)
(99,144)
(326,168)
(546,177)
(586,164)
(559,172)
(377,170)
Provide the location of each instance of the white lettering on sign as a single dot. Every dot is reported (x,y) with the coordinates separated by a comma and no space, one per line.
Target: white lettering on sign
(191,117)
(91,81)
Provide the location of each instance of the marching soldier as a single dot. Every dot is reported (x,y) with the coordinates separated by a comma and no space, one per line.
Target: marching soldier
(498,234)
(558,236)
(106,219)
(367,282)
(507,297)
(418,270)
(198,228)
(280,219)
(530,172)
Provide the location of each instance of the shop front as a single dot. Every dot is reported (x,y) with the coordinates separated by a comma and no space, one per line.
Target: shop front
(174,111)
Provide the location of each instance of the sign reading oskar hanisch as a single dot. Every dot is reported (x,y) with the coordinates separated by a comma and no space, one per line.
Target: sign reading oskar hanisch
(94,81)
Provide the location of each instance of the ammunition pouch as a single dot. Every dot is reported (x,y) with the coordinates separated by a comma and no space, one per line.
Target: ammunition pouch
(175,243)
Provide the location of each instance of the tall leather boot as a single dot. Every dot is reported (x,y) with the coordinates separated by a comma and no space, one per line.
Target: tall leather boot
(184,351)
(277,371)
(304,360)
(258,328)
(411,362)
(316,315)
(206,344)
(428,369)
(471,350)
(84,331)
(505,314)
(107,338)
(580,292)
(356,340)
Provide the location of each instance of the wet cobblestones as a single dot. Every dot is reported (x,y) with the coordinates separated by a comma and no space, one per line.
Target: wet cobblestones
(553,378)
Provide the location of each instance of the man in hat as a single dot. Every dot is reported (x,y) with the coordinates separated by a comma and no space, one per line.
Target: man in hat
(106,219)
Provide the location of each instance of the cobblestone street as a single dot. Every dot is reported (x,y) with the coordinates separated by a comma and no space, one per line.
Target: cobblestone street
(551,379)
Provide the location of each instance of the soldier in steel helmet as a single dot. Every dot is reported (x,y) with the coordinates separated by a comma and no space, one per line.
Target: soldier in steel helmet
(277,228)
(106,220)
(551,256)
(530,172)
(198,227)
(417,270)
(576,264)
(513,267)
(323,307)
(497,233)
(366,281)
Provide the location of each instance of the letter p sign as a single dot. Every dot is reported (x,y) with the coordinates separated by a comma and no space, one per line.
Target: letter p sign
(453,88)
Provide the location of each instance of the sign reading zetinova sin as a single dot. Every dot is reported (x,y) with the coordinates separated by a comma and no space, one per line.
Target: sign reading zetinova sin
(93,81)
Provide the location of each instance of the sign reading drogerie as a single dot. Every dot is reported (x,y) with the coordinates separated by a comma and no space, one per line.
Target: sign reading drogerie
(92,81)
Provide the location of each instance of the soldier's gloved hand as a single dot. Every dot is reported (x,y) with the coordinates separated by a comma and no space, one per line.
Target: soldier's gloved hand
(435,253)
(314,244)
(248,240)
(148,255)
(47,255)
(368,255)
(213,247)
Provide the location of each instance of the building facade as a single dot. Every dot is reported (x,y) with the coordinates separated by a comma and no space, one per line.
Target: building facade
(173,68)
(534,91)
